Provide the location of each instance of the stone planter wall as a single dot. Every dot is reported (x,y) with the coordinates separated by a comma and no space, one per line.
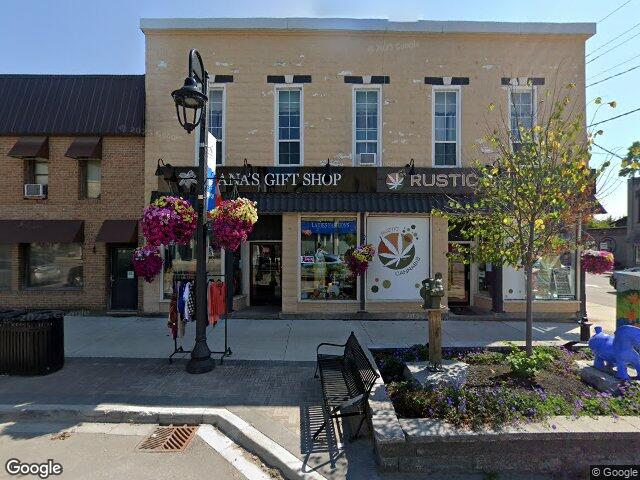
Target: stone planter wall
(560,446)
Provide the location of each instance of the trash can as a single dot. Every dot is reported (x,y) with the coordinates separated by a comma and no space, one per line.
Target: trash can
(31,343)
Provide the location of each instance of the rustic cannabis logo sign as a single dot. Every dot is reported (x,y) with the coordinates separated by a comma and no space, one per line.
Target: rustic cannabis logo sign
(396,250)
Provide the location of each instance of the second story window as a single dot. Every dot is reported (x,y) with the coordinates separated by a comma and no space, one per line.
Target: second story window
(446,130)
(216,121)
(91,177)
(36,177)
(289,133)
(366,127)
(521,113)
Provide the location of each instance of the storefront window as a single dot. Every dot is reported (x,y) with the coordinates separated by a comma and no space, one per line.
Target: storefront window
(182,258)
(323,243)
(554,277)
(5,266)
(54,265)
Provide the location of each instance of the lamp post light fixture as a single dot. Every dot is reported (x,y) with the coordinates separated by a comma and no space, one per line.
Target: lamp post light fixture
(191,105)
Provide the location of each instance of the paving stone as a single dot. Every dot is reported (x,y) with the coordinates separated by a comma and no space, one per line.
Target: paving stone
(600,380)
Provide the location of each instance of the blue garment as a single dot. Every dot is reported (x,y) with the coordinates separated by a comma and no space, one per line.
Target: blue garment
(181,303)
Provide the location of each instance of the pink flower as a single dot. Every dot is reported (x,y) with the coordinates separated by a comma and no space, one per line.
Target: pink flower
(147,262)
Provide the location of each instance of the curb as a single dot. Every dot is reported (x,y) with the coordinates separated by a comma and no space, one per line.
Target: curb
(231,425)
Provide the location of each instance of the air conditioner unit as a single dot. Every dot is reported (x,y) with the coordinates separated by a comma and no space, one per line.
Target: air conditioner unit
(367,159)
(35,190)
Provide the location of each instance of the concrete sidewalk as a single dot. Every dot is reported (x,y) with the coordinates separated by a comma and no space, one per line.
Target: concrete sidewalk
(287,340)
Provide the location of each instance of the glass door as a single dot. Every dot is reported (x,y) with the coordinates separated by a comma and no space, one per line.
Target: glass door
(124,283)
(266,273)
(459,282)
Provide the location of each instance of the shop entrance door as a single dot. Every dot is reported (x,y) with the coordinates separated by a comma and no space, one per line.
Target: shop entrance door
(459,289)
(265,273)
(124,283)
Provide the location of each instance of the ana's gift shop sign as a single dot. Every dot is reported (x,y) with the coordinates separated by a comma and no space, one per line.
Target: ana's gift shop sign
(402,257)
(348,179)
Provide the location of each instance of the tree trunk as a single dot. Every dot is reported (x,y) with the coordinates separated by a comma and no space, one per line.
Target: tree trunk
(528,269)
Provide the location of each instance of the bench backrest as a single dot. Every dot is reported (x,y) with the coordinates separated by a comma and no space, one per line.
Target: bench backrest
(360,373)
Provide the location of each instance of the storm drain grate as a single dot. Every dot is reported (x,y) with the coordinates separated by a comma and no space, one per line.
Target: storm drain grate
(168,439)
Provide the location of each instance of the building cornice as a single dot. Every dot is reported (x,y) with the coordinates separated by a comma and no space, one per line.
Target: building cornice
(367,25)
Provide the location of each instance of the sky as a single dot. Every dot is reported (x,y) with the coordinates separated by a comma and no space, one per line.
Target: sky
(103,36)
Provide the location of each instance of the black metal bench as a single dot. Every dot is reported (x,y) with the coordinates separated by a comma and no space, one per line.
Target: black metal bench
(346,380)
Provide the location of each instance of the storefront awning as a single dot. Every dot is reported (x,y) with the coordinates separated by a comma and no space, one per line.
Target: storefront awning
(30,147)
(118,231)
(41,231)
(348,202)
(85,147)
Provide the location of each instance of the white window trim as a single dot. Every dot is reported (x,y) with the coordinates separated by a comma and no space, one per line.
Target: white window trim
(223,88)
(359,278)
(356,88)
(534,102)
(213,86)
(276,125)
(458,90)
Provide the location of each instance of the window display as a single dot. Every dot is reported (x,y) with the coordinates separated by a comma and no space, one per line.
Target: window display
(323,271)
(182,258)
(554,277)
(54,265)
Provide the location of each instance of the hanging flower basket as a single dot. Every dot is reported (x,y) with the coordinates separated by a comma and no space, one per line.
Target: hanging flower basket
(147,262)
(169,220)
(232,222)
(597,261)
(358,259)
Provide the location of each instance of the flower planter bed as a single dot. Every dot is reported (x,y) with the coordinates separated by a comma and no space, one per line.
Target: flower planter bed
(499,422)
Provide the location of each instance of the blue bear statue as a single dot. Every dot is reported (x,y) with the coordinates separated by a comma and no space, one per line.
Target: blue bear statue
(616,350)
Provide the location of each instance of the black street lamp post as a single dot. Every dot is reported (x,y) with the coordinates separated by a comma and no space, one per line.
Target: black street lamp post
(193,99)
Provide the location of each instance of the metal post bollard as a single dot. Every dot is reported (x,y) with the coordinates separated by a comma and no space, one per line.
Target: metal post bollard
(433,293)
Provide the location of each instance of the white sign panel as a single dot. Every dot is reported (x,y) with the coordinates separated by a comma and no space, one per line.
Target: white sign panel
(210,172)
(401,261)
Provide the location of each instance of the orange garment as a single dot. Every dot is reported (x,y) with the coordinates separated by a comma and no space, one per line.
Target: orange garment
(217,304)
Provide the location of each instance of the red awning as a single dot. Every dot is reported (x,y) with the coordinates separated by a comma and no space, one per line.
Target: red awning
(85,147)
(30,147)
(118,231)
(41,231)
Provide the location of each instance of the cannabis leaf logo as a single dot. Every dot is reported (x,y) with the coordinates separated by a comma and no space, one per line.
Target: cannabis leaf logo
(395,180)
(396,250)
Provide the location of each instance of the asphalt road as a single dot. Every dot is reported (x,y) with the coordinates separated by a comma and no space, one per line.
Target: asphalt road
(599,291)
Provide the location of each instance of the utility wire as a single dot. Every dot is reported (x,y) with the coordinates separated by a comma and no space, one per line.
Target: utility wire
(612,40)
(613,118)
(608,151)
(614,47)
(611,68)
(607,16)
(612,76)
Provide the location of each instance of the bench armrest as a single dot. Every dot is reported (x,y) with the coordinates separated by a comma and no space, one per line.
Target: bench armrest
(329,344)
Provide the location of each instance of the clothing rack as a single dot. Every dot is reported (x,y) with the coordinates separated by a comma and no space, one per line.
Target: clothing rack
(179,349)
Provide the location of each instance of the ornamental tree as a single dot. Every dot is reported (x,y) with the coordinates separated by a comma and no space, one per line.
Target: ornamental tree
(630,164)
(533,195)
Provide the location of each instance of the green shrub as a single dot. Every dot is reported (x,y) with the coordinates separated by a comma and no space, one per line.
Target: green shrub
(391,368)
(526,366)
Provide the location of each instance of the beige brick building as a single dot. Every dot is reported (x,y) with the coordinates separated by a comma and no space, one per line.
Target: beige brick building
(72,154)
(375,98)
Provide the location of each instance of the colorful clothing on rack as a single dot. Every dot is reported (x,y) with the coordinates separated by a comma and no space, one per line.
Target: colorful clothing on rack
(217,304)
(181,300)
(185,299)
(172,322)
(190,308)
